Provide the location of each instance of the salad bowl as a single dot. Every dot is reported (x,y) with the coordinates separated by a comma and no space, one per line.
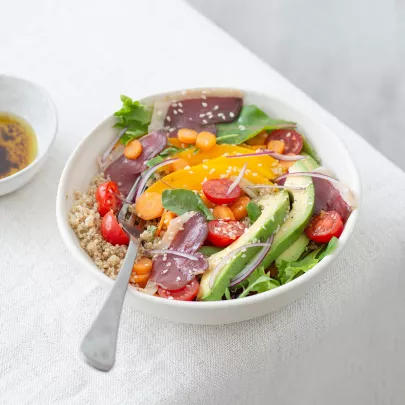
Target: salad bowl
(82,167)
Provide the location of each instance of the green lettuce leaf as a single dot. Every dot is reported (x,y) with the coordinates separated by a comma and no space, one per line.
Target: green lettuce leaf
(181,201)
(135,116)
(287,271)
(253,211)
(250,122)
(259,282)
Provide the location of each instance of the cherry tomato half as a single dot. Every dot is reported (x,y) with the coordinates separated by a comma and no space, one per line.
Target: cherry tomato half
(187,293)
(325,226)
(223,233)
(111,230)
(216,190)
(106,197)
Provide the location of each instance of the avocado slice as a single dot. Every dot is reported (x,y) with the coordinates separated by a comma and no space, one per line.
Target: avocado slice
(303,202)
(293,253)
(275,208)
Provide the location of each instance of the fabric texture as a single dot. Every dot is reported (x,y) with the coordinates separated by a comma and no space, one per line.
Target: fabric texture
(342,343)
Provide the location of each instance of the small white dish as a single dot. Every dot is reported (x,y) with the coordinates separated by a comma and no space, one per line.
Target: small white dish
(81,168)
(29,101)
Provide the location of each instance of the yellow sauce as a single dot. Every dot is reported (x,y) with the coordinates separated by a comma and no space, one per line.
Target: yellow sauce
(18,144)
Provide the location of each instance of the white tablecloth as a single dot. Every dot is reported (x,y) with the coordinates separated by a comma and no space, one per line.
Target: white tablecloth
(342,343)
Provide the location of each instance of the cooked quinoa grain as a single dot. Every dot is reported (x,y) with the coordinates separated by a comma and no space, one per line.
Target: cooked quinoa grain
(86,223)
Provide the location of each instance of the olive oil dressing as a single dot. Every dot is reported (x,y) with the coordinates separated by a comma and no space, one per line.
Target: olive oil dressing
(18,144)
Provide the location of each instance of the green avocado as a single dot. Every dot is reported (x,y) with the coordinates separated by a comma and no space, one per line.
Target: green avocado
(303,202)
(293,253)
(275,208)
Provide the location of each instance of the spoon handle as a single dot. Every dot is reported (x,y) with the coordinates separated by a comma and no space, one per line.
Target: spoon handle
(100,343)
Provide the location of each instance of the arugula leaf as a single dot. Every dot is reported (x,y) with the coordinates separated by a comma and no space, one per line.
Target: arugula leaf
(287,271)
(181,201)
(250,122)
(258,281)
(134,116)
(253,211)
(209,250)
(166,153)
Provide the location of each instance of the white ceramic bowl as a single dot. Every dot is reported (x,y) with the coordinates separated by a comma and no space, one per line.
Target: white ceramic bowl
(81,167)
(29,101)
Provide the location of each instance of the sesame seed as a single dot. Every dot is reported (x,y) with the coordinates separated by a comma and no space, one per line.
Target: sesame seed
(205,167)
(242,127)
(175,112)
(180,110)
(187,167)
(171,129)
(202,115)
(260,164)
(205,121)
(159,113)
(174,105)
(216,107)
(220,114)
(204,104)
(165,271)
(223,117)
(190,119)
(191,172)
(205,160)
(180,104)
(288,135)
(254,174)
(168,119)
(231,114)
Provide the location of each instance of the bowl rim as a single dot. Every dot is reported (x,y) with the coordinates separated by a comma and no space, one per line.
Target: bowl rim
(38,159)
(82,257)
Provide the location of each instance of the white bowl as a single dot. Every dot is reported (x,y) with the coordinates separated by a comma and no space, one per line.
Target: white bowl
(31,102)
(81,167)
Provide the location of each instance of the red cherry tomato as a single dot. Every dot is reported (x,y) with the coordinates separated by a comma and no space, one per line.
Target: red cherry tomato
(325,226)
(216,190)
(293,141)
(111,230)
(223,233)
(187,293)
(106,198)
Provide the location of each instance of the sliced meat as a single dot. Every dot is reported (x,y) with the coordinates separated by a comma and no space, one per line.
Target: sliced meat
(124,171)
(201,114)
(293,141)
(173,272)
(328,198)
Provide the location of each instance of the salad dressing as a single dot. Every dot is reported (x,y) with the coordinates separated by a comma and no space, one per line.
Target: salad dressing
(18,144)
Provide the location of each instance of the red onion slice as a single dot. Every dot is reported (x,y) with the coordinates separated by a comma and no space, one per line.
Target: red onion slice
(148,173)
(110,147)
(173,252)
(251,266)
(245,186)
(307,174)
(239,177)
(275,155)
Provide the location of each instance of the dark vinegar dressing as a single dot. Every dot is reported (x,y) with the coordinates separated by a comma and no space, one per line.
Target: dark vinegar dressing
(18,144)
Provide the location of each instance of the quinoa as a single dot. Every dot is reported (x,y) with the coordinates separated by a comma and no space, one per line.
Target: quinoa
(86,224)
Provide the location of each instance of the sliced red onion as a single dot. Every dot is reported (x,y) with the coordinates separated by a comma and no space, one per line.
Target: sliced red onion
(110,147)
(239,177)
(172,252)
(308,174)
(247,271)
(244,185)
(276,186)
(275,155)
(148,173)
(249,268)
(112,157)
